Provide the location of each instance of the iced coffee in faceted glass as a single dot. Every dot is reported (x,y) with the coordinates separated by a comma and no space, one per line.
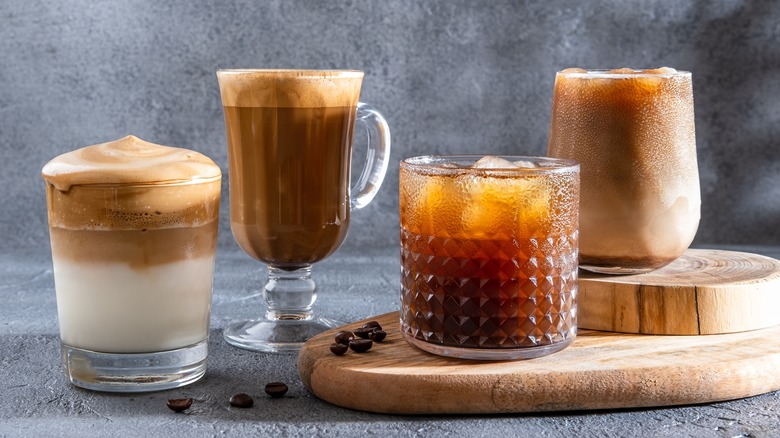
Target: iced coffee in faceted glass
(133,229)
(489,255)
(632,131)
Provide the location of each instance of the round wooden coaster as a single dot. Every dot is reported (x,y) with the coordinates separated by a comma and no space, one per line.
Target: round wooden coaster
(599,370)
(703,292)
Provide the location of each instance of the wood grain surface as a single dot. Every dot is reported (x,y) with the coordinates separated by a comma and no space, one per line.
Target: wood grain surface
(703,292)
(598,371)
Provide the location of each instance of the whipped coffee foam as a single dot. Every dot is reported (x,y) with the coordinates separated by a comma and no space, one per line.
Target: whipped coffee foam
(290,88)
(131,184)
(129,160)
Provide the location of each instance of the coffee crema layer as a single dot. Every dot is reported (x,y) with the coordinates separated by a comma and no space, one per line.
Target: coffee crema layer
(289,88)
(135,248)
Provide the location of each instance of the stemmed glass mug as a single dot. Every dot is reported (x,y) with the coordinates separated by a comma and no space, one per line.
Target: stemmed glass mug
(289,138)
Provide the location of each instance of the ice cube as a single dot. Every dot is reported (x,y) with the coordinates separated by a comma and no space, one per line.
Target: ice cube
(449,165)
(526,164)
(661,71)
(622,71)
(493,162)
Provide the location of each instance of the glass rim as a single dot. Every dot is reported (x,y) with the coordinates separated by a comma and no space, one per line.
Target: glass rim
(603,73)
(433,164)
(292,72)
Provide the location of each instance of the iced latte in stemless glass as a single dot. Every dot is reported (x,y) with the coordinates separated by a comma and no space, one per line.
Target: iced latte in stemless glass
(632,131)
(489,255)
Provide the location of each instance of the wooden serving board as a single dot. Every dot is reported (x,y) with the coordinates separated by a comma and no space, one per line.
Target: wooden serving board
(703,292)
(598,371)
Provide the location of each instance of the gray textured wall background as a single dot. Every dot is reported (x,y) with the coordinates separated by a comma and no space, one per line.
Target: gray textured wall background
(450,76)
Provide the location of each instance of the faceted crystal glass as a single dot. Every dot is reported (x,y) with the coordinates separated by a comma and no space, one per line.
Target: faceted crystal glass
(489,255)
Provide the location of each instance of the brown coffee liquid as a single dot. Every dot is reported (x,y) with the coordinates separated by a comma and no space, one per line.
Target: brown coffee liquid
(289,181)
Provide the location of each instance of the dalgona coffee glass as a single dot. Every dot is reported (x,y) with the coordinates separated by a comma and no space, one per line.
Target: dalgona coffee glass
(489,255)
(289,139)
(133,229)
(632,131)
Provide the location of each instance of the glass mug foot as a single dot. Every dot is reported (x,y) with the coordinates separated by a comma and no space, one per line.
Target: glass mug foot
(276,335)
(289,321)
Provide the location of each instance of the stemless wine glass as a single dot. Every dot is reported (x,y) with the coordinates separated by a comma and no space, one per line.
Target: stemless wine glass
(289,137)
(632,131)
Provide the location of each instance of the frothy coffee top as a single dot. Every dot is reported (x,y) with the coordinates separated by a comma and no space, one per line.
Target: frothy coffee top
(130,184)
(290,88)
(129,160)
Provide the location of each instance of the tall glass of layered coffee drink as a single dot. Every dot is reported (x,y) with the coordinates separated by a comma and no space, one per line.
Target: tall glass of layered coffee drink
(289,139)
(133,230)
(632,131)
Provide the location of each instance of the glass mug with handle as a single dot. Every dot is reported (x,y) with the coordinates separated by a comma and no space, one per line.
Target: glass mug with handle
(289,137)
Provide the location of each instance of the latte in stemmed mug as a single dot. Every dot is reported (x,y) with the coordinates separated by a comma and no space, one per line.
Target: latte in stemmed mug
(289,139)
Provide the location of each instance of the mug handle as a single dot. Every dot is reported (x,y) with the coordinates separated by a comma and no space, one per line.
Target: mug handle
(377,156)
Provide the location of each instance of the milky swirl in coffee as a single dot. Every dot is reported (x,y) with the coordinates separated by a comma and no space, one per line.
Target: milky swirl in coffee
(131,184)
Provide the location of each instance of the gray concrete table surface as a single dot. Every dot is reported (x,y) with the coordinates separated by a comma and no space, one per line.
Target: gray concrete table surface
(355,283)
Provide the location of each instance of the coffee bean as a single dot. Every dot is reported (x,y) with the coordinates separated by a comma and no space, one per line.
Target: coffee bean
(363,332)
(339,349)
(241,400)
(361,345)
(377,335)
(276,389)
(372,324)
(343,337)
(179,404)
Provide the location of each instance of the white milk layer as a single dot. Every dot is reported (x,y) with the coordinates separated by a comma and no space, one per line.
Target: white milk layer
(115,308)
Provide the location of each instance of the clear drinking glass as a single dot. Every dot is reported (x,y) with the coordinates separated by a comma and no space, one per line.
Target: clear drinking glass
(289,138)
(133,230)
(632,131)
(489,255)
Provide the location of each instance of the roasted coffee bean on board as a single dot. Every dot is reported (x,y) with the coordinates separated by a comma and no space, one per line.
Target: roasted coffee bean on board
(343,337)
(377,335)
(363,332)
(361,345)
(339,349)
(372,324)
